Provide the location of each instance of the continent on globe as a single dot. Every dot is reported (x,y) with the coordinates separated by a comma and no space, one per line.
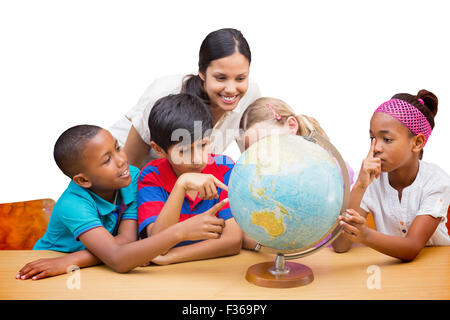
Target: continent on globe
(266,219)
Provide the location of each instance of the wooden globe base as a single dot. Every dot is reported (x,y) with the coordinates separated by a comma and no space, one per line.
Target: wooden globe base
(298,275)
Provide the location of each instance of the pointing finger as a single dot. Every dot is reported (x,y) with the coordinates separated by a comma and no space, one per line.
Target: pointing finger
(372,149)
(220,184)
(217,207)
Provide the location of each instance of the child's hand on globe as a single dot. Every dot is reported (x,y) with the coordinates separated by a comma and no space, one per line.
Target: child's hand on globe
(354,226)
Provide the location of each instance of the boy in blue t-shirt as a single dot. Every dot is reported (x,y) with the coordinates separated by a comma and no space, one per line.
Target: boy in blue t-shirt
(98,210)
(186,181)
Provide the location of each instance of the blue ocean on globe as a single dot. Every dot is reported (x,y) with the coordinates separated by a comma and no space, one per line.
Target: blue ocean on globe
(286,192)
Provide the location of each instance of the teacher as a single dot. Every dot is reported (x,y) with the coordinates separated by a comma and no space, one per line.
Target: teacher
(222,83)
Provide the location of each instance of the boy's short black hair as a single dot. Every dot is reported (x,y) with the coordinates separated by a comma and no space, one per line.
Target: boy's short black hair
(179,118)
(70,145)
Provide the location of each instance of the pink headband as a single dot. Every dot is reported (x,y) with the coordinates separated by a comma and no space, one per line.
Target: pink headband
(408,115)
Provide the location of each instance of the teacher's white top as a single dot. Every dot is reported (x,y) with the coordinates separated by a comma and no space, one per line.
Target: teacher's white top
(429,194)
(225,131)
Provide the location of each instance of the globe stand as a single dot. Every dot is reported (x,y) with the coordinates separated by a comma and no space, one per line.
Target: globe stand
(282,274)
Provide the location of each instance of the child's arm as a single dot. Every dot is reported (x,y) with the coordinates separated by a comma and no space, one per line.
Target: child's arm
(123,258)
(370,169)
(205,184)
(404,248)
(248,243)
(49,267)
(343,243)
(229,243)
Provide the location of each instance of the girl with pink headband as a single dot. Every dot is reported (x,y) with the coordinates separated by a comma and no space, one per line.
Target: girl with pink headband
(408,197)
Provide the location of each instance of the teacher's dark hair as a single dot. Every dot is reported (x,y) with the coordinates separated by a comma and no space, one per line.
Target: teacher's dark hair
(218,44)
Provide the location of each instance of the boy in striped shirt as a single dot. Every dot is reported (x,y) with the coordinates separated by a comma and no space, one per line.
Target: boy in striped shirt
(185,181)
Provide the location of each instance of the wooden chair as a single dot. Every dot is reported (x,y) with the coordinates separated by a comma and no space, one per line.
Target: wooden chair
(23,223)
(369,221)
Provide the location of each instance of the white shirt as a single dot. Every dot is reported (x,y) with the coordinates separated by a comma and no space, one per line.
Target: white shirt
(225,131)
(429,194)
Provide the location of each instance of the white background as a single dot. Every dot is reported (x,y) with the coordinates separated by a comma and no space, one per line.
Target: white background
(64,63)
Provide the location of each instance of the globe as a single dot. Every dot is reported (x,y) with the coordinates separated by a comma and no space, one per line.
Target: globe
(286,192)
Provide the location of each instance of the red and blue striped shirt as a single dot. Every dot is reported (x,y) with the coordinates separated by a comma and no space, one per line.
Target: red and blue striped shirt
(157,180)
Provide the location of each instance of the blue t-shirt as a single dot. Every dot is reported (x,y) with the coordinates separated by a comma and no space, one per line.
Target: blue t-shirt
(79,210)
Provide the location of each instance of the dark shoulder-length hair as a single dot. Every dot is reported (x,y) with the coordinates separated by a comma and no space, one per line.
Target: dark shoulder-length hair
(218,44)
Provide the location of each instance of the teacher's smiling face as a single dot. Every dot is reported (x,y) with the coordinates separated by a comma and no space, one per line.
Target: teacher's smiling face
(226,81)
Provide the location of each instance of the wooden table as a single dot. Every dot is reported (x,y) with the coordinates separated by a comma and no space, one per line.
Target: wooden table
(336,276)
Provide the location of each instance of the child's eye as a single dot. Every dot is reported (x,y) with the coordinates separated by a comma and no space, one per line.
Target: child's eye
(371,138)
(220,78)
(184,152)
(107,160)
(387,140)
(118,148)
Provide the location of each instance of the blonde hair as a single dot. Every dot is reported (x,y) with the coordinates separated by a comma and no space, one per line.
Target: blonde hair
(266,108)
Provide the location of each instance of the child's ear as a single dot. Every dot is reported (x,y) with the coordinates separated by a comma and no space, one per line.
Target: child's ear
(292,125)
(159,151)
(418,143)
(81,180)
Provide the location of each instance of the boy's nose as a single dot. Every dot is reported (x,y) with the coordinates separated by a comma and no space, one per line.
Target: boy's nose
(121,159)
(197,156)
